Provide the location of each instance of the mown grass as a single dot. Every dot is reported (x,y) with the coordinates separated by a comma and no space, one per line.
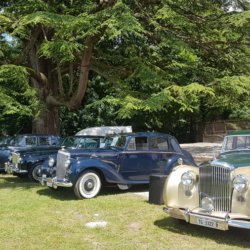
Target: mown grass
(35,217)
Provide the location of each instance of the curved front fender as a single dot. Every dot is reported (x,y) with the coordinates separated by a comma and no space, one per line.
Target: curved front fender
(108,170)
(174,194)
(173,162)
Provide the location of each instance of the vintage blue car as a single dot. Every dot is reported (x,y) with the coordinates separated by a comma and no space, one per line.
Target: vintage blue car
(83,142)
(22,156)
(217,194)
(127,159)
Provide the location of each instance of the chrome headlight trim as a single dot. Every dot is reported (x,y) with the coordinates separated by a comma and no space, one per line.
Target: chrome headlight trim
(187,179)
(51,162)
(240,183)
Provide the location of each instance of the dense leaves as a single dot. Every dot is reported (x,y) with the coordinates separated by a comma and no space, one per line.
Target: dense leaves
(164,65)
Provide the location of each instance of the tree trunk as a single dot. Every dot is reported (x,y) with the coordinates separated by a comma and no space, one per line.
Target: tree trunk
(47,122)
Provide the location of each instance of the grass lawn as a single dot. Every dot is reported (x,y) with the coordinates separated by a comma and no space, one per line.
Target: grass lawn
(35,217)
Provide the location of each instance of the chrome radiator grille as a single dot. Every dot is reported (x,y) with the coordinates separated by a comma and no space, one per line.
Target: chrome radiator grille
(15,158)
(215,183)
(61,159)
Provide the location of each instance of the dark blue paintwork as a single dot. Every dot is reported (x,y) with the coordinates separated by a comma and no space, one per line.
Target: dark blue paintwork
(123,165)
(32,148)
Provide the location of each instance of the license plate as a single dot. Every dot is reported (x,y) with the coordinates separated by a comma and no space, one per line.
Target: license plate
(207,223)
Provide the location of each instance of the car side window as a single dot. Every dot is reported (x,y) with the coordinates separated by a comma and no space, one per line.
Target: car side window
(30,141)
(44,141)
(131,144)
(242,142)
(159,143)
(141,143)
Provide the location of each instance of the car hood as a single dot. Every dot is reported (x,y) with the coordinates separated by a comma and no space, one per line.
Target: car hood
(235,158)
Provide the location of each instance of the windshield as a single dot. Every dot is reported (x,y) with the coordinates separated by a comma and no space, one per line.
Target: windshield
(236,142)
(81,142)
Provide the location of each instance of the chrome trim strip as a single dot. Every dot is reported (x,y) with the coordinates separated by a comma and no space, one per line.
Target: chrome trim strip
(239,224)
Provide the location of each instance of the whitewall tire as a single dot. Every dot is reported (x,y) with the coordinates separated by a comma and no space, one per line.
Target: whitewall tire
(88,185)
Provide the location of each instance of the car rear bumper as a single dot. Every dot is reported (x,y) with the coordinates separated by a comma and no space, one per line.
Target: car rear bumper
(222,222)
(54,182)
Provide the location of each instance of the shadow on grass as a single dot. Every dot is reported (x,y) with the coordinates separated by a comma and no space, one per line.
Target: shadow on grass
(68,193)
(233,237)
(10,181)
(62,194)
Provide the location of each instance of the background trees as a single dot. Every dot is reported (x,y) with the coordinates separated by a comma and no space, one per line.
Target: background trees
(158,65)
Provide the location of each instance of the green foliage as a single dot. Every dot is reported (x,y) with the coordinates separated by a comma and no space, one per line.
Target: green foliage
(232,96)
(161,64)
(17,99)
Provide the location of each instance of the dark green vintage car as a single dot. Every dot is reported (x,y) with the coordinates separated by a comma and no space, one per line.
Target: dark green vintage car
(217,194)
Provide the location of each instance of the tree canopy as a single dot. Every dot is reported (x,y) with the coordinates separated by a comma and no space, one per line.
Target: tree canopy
(165,63)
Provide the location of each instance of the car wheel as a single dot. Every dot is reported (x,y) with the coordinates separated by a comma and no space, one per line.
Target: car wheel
(34,172)
(88,185)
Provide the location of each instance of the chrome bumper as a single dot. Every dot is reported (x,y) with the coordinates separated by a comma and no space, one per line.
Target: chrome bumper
(54,182)
(11,169)
(221,223)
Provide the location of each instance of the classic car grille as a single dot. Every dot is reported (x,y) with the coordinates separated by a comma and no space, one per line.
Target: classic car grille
(215,183)
(61,159)
(15,158)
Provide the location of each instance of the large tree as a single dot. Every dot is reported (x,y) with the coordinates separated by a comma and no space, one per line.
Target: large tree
(58,40)
(162,56)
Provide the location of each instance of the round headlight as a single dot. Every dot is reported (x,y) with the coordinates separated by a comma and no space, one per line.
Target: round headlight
(240,183)
(51,162)
(187,179)
(66,164)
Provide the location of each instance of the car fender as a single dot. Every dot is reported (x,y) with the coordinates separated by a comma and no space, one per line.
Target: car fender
(30,160)
(109,173)
(175,194)
(241,201)
(173,162)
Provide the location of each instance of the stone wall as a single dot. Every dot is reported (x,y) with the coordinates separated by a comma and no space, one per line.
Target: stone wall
(215,131)
(202,151)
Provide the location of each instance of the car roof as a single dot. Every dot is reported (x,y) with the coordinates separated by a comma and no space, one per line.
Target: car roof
(30,134)
(146,134)
(239,132)
(86,136)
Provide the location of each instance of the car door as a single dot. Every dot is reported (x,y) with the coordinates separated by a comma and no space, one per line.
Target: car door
(45,147)
(136,160)
(159,148)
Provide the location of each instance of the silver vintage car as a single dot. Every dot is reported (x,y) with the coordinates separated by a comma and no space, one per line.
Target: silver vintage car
(217,194)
